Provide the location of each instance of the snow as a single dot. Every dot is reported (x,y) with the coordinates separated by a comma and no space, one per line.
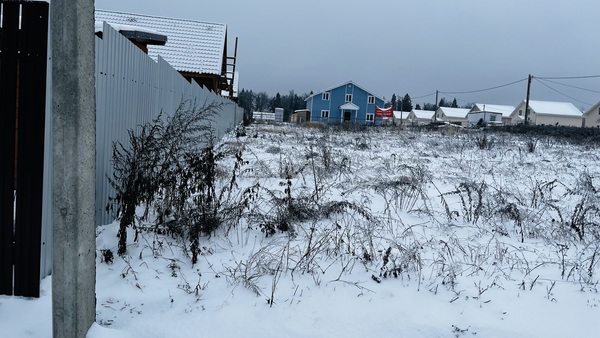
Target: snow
(455,112)
(459,277)
(554,108)
(99,26)
(495,108)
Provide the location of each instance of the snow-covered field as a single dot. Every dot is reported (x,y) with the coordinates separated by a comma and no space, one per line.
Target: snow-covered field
(391,234)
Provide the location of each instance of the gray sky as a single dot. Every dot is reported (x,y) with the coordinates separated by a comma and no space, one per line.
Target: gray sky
(411,46)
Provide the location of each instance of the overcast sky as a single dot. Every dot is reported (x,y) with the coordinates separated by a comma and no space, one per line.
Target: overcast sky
(411,46)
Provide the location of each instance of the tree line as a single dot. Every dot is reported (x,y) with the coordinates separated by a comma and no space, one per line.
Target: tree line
(252,101)
(261,102)
(405,104)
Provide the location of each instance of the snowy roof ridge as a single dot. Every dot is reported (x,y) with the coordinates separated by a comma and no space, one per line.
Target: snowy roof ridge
(192,46)
(423,114)
(506,110)
(554,108)
(455,112)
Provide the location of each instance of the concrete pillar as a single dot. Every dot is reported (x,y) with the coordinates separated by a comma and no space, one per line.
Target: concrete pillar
(73,180)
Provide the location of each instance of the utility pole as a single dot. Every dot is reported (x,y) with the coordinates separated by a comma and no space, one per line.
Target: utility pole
(527,100)
(73,167)
(436,100)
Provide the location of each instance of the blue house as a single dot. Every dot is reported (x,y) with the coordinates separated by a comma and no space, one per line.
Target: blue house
(346,102)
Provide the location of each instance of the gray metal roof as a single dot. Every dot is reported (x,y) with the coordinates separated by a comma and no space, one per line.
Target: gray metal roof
(192,46)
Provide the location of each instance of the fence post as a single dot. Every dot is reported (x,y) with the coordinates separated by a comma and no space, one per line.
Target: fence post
(73,180)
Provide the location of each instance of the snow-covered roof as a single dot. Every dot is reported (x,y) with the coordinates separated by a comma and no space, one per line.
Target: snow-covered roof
(192,46)
(554,108)
(400,114)
(121,27)
(423,114)
(494,108)
(343,84)
(455,112)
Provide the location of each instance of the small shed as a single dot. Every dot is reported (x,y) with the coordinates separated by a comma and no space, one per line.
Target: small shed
(301,116)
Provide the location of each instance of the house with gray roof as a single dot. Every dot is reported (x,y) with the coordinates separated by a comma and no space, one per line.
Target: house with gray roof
(548,113)
(196,49)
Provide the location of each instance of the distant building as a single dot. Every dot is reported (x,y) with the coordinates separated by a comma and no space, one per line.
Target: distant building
(400,117)
(456,116)
(592,116)
(278,114)
(549,113)
(418,117)
(505,111)
(259,116)
(300,116)
(484,118)
(344,103)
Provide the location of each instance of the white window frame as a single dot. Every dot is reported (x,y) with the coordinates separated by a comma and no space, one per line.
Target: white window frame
(325,113)
(371,99)
(520,112)
(370,117)
(348,97)
(325,96)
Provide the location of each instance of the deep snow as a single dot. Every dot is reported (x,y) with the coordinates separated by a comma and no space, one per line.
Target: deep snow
(465,275)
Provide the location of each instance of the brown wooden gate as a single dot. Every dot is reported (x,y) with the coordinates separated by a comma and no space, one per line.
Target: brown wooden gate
(23,62)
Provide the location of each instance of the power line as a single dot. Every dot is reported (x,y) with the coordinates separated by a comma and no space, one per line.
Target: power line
(485,89)
(567,85)
(558,91)
(420,97)
(568,77)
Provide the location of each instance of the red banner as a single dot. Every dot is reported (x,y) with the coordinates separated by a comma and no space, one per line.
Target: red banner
(384,112)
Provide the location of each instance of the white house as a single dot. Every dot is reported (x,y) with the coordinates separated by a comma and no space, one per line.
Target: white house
(418,117)
(484,118)
(401,117)
(549,113)
(451,115)
(592,116)
(505,111)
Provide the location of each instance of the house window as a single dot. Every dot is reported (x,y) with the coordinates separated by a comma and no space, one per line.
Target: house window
(325,113)
(371,99)
(348,97)
(326,96)
(370,117)
(492,118)
(520,112)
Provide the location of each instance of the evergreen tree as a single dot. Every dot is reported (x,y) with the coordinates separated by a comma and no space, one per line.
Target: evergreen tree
(443,103)
(275,102)
(418,107)
(394,102)
(261,102)
(429,106)
(454,103)
(407,103)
